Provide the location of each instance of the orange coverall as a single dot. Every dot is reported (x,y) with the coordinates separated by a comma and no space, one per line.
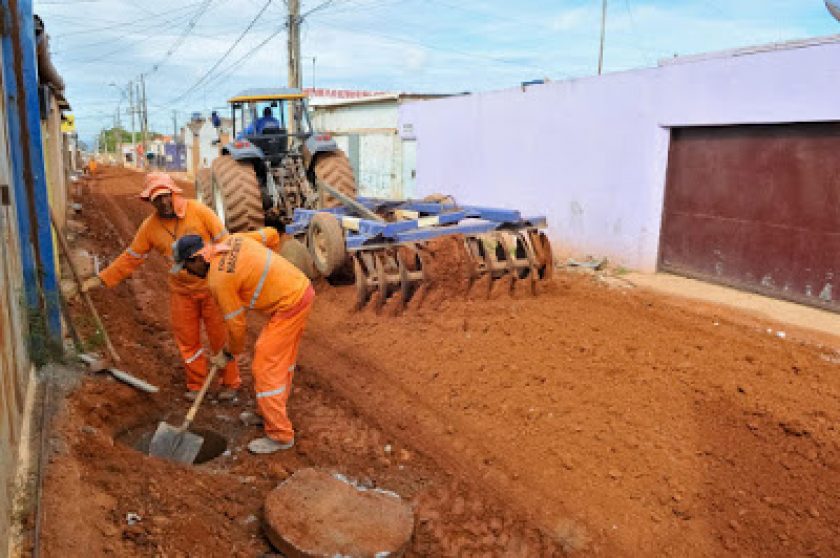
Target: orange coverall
(251,276)
(190,302)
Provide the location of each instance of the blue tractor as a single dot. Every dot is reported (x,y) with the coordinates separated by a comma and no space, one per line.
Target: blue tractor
(272,162)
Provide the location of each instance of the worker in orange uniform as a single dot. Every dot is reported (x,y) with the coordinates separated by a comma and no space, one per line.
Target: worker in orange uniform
(242,274)
(190,302)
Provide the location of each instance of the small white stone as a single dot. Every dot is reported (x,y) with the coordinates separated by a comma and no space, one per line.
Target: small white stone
(781,334)
(131,518)
(388,448)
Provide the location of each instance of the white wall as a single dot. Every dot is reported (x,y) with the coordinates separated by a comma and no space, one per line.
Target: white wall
(591,154)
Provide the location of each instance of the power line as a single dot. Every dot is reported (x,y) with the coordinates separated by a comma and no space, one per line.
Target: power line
(321,6)
(116,24)
(228,70)
(224,56)
(121,50)
(444,49)
(183,36)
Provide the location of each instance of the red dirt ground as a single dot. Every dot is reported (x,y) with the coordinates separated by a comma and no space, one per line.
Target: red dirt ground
(587,421)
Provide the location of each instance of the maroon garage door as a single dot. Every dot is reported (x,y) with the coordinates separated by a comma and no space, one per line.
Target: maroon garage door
(756,207)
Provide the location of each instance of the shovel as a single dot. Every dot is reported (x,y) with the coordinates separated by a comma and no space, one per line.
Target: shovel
(179,444)
(95,364)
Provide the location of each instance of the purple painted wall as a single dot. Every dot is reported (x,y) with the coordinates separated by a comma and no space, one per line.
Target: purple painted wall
(175,157)
(591,154)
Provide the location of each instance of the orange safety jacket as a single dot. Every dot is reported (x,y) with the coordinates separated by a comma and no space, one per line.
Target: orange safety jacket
(253,276)
(159,234)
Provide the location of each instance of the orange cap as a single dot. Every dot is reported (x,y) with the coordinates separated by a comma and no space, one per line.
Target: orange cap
(157,183)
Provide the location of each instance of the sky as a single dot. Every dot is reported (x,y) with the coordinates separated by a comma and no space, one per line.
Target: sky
(418,46)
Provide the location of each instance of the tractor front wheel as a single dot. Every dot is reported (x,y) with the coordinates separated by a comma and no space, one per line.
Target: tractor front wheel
(236,197)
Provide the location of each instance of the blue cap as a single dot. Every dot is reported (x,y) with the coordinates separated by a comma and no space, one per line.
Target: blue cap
(185,248)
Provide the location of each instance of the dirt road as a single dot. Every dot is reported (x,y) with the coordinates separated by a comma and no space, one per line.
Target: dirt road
(589,421)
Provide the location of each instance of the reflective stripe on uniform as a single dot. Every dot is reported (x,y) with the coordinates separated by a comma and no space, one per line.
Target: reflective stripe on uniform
(231,315)
(194,356)
(262,235)
(261,282)
(222,233)
(135,254)
(271,393)
(292,368)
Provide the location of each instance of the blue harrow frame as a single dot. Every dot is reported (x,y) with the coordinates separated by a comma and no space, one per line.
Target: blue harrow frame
(416,221)
(387,242)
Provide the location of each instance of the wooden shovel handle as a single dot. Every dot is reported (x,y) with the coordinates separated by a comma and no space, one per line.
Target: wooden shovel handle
(199,398)
(62,242)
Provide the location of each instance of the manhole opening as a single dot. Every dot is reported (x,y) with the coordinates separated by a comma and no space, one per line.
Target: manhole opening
(140,437)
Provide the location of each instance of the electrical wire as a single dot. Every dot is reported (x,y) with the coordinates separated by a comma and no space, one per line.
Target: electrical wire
(233,66)
(117,24)
(449,50)
(153,30)
(195,86)
(183,36)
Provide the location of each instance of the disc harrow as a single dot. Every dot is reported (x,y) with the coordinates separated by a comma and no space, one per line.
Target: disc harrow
(391,254)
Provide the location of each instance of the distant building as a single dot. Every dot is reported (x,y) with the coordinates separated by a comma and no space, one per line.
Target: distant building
(201,142)
(365,126)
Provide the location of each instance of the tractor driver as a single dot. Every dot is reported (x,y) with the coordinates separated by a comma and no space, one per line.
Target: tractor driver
(267,120)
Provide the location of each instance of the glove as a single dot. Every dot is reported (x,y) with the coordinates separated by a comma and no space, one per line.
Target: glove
(91,283)
(221,359)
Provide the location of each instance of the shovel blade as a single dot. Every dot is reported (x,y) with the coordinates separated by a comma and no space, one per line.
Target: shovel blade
(175,444)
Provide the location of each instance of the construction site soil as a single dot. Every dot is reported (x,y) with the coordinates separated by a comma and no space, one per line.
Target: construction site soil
(590,420)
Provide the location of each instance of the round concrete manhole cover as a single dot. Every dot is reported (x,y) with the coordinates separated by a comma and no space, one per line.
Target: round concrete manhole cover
(317,514)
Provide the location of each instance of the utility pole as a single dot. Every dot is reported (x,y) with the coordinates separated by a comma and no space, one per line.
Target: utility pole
(132,110)
(144,117)
(603,34)
(294,43)
(174,126)
(294,59)
(118,132)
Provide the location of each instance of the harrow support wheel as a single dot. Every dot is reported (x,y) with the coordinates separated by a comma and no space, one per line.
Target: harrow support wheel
(326,243)
(298,255)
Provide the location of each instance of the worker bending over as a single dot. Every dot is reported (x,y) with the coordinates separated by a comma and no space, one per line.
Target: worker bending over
(190,303)
(242,274)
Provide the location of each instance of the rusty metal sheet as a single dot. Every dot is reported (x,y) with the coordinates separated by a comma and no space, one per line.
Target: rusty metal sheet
(756,207)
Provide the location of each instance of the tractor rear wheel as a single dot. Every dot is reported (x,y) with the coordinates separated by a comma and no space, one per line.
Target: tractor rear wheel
(326,243)
(203,189)
(335,169)
(236,195)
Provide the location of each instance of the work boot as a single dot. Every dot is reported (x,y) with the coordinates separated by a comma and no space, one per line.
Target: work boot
(227,394)
(267,445)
